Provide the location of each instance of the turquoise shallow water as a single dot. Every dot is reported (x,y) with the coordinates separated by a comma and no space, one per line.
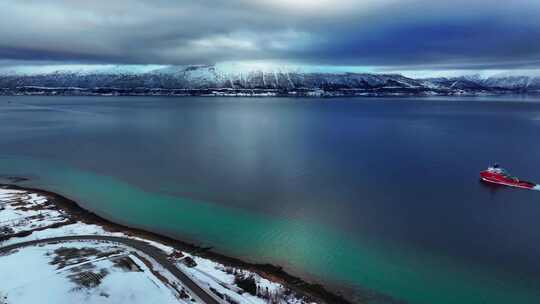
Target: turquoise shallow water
(377,194)
(318,251)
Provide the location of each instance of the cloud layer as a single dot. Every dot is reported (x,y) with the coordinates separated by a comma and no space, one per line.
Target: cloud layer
(408,34)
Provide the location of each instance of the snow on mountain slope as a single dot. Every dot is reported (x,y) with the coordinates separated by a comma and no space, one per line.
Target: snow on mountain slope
(199,76)
(233,77)
(506,82)
(78,70)
(514,82)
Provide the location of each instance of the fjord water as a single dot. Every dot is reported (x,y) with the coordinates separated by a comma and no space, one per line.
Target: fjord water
(376,194)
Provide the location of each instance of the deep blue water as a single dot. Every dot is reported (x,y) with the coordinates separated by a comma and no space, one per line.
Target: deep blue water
(393,172)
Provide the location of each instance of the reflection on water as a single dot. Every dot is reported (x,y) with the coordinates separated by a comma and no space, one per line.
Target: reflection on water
(382,194)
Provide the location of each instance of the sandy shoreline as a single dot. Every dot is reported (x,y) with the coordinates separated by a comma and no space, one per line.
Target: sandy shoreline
(271,272)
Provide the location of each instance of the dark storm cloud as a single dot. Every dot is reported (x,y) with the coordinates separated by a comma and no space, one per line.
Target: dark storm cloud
(383,33)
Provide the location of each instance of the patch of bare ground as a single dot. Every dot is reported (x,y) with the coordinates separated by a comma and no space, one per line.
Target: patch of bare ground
(126,264)
(86,278)
(68,256)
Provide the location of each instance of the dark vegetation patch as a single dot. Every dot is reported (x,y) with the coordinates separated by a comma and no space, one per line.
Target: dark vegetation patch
(189,262)
(104,294)
(279,296)
(5,230)
(88,279)
(3,298)
(126,264)
(14,200)
(67,256)
(217,293)
(183,294)
(37,207)
(29,232)
(82,268)
(177,254)
(18,203)
(248,283)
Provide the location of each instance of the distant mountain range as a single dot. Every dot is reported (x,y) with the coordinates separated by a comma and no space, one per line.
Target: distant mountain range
(211,80)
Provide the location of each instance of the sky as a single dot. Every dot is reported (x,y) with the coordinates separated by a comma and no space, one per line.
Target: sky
(410,36)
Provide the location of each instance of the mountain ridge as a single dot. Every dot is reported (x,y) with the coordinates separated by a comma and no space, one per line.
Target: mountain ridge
(211,80)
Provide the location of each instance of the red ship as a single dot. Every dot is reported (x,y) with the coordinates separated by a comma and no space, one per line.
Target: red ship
(498,175)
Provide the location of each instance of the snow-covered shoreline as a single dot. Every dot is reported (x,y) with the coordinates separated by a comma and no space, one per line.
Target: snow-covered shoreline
(30,214)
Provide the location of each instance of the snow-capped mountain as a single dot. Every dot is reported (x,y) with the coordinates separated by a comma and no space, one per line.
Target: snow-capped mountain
(201,77)
(524,83)
(284,81)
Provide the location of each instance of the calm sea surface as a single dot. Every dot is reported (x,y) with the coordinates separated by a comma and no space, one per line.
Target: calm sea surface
(377,194)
